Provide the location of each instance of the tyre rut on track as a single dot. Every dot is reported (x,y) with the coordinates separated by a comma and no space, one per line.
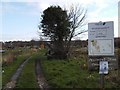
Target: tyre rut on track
(15,76)
(40,77)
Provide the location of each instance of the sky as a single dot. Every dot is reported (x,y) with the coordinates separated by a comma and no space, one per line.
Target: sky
(119,19)
(19,19)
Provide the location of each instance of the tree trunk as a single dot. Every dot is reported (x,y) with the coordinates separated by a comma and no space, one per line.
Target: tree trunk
(59,50)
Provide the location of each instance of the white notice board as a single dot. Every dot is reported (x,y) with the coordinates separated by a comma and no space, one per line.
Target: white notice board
(101,39)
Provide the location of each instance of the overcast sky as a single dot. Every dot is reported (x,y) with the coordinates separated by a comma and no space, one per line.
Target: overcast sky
(19,19)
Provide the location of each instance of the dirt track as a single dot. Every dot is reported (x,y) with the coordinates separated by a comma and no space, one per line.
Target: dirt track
(14,78)
(40,77)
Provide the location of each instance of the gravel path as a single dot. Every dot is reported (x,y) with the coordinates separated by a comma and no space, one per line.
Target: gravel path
(15,77)
(40,77)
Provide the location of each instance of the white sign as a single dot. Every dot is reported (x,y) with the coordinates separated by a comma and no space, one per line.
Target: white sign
(103,67)
(101,39)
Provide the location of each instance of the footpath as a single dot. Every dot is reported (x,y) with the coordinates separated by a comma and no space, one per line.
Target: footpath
(41,81)
(40,77)
(14,78)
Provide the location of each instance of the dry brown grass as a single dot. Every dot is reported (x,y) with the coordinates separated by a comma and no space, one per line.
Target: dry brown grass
(9,58)
(79,53)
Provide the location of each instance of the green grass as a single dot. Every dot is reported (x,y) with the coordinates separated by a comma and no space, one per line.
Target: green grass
(71,74)
(10,69)
(28,77)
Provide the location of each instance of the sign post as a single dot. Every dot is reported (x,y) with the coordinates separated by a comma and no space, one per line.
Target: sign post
(102,81)
(103,70)
(101,48)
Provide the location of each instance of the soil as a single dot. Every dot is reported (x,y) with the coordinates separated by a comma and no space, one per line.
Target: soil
(40,77)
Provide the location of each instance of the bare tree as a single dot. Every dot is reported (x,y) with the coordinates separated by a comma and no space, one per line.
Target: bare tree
(77,16)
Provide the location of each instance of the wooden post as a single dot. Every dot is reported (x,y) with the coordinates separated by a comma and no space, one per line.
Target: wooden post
(102,81)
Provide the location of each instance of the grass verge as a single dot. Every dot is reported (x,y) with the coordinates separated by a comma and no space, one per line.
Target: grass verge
(72,74)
